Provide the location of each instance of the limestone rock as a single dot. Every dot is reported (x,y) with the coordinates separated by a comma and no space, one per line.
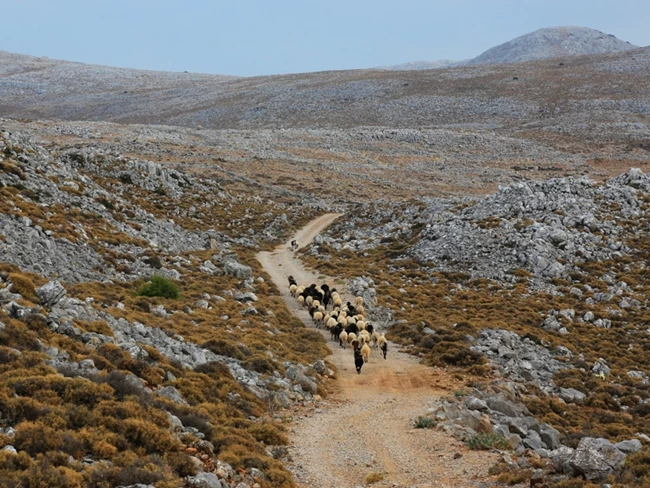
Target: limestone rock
(51,293)
(597,458)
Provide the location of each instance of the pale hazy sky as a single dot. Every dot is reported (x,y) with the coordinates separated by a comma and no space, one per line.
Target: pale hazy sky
(256,37)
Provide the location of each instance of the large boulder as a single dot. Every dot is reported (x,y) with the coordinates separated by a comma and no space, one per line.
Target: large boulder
(51,293)
(204,480)
(597,458)
(234,268)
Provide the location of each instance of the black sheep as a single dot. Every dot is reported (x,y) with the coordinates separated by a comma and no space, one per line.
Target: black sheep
(358,359)
(292,281)
(384,348)
(352,328)
(351,309)
(336,332)
(327,297)
(370,328)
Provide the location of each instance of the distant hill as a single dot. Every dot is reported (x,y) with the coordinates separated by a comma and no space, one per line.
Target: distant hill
(419,65)
(552,42)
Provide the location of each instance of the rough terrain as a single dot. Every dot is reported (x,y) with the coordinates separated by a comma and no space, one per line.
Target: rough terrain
(367,426)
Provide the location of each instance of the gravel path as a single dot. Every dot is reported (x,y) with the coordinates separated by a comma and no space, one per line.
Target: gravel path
(366,426)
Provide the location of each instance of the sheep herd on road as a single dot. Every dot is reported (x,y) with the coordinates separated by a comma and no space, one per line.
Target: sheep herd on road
(347,323)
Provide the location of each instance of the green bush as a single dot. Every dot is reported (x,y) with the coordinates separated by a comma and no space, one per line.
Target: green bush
(424,423)
(159,287)
(488,441)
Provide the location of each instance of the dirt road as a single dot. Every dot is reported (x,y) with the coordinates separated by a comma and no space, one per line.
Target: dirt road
(365,429)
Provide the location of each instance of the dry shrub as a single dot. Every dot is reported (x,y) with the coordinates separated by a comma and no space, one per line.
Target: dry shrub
(269,434)
(456,354)
(24,286)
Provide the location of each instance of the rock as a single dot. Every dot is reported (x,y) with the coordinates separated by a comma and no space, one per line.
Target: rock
(10,449)
(600,367)
(596,458)
(233,268)
(571,395)
(506,407)
(629,447)
(473,403)
(550,436)
(202,304)
(51,293)
(245,297)
(560,459)
(204,480)
(588,317)
(159,311)
(172,394)
(320,367)
(533,440)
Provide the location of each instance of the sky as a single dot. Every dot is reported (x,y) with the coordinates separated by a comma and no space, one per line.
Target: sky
(261,37)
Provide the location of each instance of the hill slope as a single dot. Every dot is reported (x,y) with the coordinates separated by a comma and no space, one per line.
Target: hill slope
(553,42)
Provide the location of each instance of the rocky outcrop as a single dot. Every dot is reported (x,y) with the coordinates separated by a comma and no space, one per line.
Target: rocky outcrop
(51,293)
(597,458)
(520,358)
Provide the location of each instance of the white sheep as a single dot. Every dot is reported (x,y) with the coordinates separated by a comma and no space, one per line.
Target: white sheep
(358,302)
(343,339)
(318,318)
(351,337)
(365,352)
(365,336)
(292,290)
(331,322)
(383,344)
(301,300)
(375,339)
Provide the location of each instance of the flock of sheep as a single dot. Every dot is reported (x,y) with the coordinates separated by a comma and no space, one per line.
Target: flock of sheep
(346,323)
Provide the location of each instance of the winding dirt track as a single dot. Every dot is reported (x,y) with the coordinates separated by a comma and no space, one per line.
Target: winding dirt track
(366,427)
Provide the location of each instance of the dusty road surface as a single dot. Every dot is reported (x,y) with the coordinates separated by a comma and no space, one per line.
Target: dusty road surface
(365,428)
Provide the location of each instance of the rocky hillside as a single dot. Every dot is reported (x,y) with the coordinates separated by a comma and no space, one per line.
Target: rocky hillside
(553,42)
(136,327)
(544,283)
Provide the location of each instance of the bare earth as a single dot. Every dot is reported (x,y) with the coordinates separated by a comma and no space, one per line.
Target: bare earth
(366,426)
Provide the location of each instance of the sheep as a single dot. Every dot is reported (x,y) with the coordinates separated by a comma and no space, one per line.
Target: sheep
(361,324)
(351,328)
(351,320)
(301,300)
(365,352)
(370,328)
(358,360)
(358,301)
(366,337)
(383,345)
(300,290)
(318,318)
(343,339)
(361,311)
(375,339)
(292,290)
(335,332)
(331,322)
(351,336)
(337,302)
(309,300)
